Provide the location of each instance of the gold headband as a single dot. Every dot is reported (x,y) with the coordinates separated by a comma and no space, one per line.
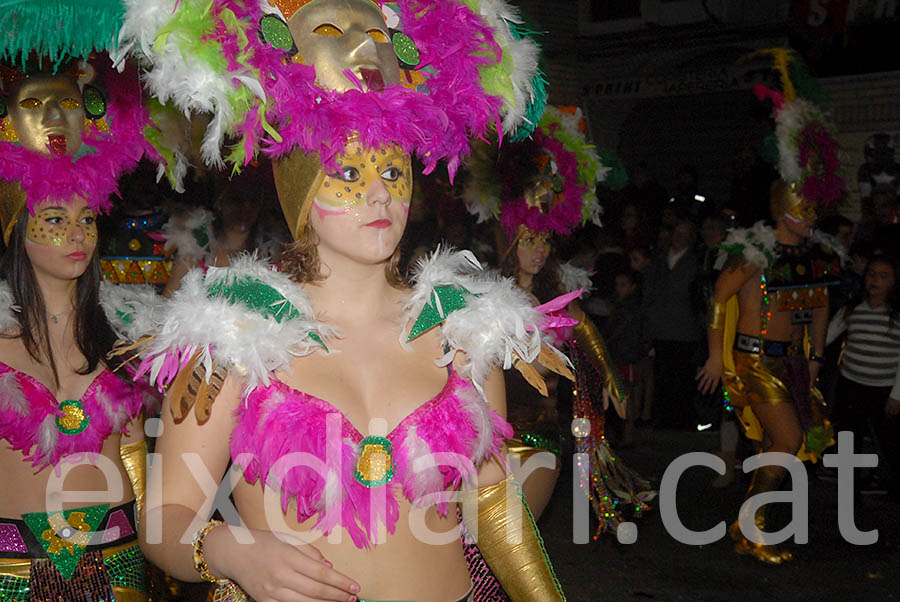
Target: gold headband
(289,8)
(298,177)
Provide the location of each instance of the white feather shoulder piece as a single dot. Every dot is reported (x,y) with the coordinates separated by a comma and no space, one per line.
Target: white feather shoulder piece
(190,234)
(132,310)
(487,318)
(247,318)
(574,278)
(756,245)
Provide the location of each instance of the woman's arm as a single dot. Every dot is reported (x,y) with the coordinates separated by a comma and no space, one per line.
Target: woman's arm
(177,506)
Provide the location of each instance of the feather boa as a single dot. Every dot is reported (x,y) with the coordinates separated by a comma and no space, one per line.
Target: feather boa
(435,448)
(214,61)
(180,238)
(102,159)
(755,245)
(28,414)
(132,310)
(237,338)
(497,324)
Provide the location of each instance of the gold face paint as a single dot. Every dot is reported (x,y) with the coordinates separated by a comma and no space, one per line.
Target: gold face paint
(359,169)
(528,239)
(52,227)
(47,115)
(336,35)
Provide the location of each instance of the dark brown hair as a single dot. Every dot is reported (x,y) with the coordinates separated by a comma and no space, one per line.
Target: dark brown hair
(93,334)
(300,261)
(546,284)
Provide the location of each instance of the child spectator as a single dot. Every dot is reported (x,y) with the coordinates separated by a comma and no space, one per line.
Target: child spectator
(868,389)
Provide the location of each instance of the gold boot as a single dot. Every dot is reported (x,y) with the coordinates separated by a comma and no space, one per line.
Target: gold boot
(765,478)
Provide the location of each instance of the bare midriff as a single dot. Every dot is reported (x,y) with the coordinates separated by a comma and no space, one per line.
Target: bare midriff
(24,491)
(403,566)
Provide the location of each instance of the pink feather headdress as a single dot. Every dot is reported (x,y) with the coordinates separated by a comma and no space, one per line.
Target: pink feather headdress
(110,147)
(263,100)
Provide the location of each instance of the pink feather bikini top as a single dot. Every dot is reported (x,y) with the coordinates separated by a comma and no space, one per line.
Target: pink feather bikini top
(307,449)
(32,419)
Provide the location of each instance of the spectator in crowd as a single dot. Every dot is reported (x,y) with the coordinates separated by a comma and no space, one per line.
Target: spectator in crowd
(670,322)
(623,337)
(868,388)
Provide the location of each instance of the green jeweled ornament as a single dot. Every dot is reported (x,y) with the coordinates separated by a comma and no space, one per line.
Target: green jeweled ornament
(256,295)
(94,102)
(65,535)
(276,33)
(405,49)
(445,299)
(74,419)
(375,462)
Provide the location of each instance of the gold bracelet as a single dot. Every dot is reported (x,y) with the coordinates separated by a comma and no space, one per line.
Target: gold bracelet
(199,563)
(226,589)
(717,316)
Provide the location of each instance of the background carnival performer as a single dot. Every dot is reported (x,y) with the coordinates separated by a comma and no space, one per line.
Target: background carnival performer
(336,324)
(547,187)
(69,128)
(771,305)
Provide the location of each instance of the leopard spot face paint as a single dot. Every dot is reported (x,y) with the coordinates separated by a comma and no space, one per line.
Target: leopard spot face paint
(53,226)
(358,169)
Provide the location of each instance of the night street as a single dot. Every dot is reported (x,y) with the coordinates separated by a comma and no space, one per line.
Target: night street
(657,567)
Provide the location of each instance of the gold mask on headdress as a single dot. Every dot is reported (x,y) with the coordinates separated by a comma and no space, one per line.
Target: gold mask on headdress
(333,36)
(337,35)
(784,200)
(47,117)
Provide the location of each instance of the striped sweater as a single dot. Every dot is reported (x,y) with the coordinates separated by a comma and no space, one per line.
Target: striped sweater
(872,350)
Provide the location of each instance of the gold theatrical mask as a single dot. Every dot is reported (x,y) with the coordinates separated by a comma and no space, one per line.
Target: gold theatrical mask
(301,181)
(784,200)
(47,115)
(337,35)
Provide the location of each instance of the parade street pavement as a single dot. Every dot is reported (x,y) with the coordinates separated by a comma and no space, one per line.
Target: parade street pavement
(657,567)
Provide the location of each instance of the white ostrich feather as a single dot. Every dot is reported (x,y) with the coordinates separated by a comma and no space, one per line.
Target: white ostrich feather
(117,413)
(238,338)
(524,53)
(11,396)
(132,310)
(574,278)
(758,244)
(426,474)
(181,78)
(789,123)
(8,308)
(47,435)
(831,241)
(179,234)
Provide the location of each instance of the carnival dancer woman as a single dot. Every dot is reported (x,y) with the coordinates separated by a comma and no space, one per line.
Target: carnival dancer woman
(547,187)
(323,377)
(769,311)
(67,134)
